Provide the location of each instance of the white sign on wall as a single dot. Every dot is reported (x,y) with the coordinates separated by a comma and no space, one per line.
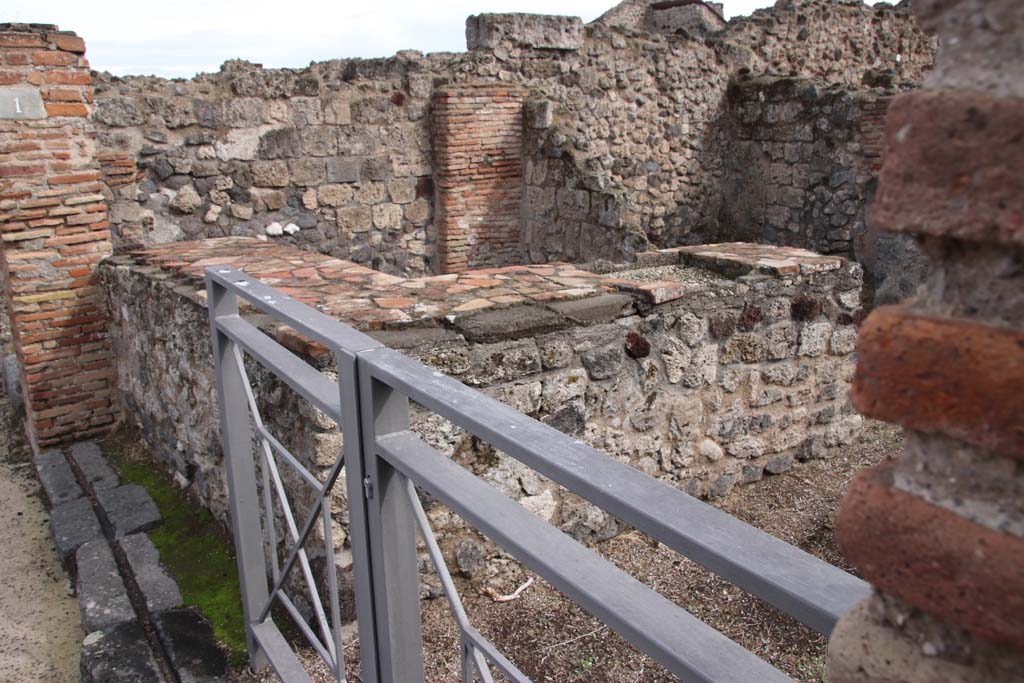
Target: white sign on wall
(21,103)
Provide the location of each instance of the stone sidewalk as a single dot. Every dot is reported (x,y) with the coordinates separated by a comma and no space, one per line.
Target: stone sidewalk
(40,636)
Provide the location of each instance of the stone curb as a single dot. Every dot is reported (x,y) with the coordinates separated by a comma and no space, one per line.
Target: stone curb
(137,631)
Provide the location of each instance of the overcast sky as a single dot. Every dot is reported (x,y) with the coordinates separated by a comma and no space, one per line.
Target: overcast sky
(184,37)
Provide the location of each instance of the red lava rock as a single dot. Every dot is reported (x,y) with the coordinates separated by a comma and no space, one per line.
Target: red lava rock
(805,308)
(946,565)
(637,346)
(934,374)
(955,167)
(749,318)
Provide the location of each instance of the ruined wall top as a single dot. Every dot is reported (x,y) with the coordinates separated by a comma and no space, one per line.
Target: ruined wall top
(537,31)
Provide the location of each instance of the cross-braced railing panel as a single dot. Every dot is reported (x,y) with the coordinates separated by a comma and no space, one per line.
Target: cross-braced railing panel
(328,643)
(386,463)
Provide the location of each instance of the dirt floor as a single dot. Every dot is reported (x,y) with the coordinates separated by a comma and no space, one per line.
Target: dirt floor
(40,635)
(552,640)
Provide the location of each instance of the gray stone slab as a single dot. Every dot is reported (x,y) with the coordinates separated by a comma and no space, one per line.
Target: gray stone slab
(129,509)
(71,525)
(158,588)
(57,478)
(509,324)
(102,596)
(119,654)
(189,642)
(90,459)
(596,309)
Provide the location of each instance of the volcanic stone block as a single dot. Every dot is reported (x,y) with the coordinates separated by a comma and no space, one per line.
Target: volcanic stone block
(602,308)
(57,478)
(946,565)
(71,525)
(120,653)
(102,597)
(509,323)
(188,639)
(158,588)
(89,458)
(129,509)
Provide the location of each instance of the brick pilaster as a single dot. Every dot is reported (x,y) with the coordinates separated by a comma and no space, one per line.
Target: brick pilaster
(53,232)
(939,530)
(478,143)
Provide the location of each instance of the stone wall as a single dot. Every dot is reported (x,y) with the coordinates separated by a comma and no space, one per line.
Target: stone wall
(738,367)
(53,222)
(342,157)
(334,158)
(802,167)
(939,529)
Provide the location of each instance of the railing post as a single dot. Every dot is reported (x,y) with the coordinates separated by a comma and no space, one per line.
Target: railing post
(392,537)
(358,527)
(236,442)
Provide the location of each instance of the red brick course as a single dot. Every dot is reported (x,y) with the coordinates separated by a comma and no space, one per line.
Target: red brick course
(955,168)
(948,566)
(957,377)
(54,229)
(478,133)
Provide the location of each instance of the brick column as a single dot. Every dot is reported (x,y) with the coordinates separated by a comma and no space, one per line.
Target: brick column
(478,133)
(939,530)
(53,232)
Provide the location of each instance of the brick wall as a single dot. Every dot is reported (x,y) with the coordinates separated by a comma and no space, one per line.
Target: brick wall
(939,530)
(54,229)
(479,176)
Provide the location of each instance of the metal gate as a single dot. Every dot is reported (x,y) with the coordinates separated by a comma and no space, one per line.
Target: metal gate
(385,465)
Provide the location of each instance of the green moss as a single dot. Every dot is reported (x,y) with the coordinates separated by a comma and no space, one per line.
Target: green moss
(193,546)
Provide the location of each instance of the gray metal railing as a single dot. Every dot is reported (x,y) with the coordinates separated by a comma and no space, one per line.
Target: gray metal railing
(386,462)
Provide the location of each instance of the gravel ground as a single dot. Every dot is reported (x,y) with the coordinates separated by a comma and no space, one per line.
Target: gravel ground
(40,635)
(551,639)
(684,274)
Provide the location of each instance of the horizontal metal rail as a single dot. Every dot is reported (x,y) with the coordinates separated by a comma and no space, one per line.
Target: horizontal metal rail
(296,373)
(384,458)
(813,592)
(683,644)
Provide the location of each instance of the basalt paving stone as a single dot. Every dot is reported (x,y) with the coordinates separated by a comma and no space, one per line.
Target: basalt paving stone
(57,478)
(119,654)
(158,588)
(71,525)
(129,509)
(90,459)
(102,597)
(189,642)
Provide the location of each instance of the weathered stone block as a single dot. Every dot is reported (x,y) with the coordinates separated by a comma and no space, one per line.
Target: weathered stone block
(120,653)
(935,374)
(158,589)
(71,525)
(91,461)
(58,480)
(129,509)
(971,578)
(955,167)
(344,169)
(102,596)
(189,641)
